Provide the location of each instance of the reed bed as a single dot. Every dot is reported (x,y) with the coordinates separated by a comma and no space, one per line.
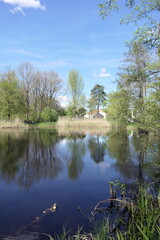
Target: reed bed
(83,123)
(15,123)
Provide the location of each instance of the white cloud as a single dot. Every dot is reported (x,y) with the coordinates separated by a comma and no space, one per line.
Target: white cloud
(102,73)
(22,4)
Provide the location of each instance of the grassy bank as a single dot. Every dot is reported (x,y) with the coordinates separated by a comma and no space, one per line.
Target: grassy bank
(46,125)
(129,219)
(15,123)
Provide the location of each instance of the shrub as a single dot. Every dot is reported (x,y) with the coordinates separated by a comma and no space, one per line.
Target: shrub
(49,115)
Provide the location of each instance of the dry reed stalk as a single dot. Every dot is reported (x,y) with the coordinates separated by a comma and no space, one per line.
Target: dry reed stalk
(16,123)
(82,123)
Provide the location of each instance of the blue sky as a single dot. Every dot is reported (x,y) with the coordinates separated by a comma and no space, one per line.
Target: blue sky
(62,35)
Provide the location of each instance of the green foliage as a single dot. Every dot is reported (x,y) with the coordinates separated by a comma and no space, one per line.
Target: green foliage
(76,112)
(49,115)
(119,185)
(81,112)
(152,104)
(148,33)
(30,94)
(118,107)
(91,104)
(11,96)
(139,78)
(75,92)
(98,97)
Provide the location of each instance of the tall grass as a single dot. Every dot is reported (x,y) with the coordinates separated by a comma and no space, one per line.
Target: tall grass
(15,123)
(82,123)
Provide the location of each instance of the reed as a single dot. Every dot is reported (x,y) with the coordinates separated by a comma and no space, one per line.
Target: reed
(15,123)
(82,123)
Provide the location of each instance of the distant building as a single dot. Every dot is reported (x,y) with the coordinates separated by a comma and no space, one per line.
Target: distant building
(98,115)
(94,114)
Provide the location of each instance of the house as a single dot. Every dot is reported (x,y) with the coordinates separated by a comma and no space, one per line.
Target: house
(94,114)
(98,115)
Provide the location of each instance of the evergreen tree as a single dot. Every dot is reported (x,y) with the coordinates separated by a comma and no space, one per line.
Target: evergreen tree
(98,97)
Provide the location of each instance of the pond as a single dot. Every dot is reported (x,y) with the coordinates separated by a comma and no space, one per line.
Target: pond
(41,167)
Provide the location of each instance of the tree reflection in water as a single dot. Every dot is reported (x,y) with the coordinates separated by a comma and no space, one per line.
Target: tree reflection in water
(12,147)
(136,155)
(76,148)
(97,148)
(29,157)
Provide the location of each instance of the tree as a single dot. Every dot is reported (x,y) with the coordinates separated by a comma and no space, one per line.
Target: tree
(134,78)
(152,104)
(149,33)
(142,9)
(46,91)
(141,76)
(98,97)
(75,88)
(49,115)
(118,107)
(81,111)
(26,73)
(11,96)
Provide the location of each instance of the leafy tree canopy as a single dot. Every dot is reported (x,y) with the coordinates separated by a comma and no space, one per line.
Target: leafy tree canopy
(98,97)
(75,88)
(11,96)
(118,107)
(149,32)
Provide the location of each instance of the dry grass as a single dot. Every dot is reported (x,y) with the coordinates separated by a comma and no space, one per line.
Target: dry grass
(16,123)
(82,123)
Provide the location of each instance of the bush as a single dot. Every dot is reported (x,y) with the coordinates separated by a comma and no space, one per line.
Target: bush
(49,115)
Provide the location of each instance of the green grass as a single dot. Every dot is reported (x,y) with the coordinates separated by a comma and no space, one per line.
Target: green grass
(46,125)
(132,126)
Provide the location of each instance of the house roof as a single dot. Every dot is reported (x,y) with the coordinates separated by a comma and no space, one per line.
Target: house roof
(98,115)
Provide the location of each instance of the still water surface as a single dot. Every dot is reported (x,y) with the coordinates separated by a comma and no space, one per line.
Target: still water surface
(42,167)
